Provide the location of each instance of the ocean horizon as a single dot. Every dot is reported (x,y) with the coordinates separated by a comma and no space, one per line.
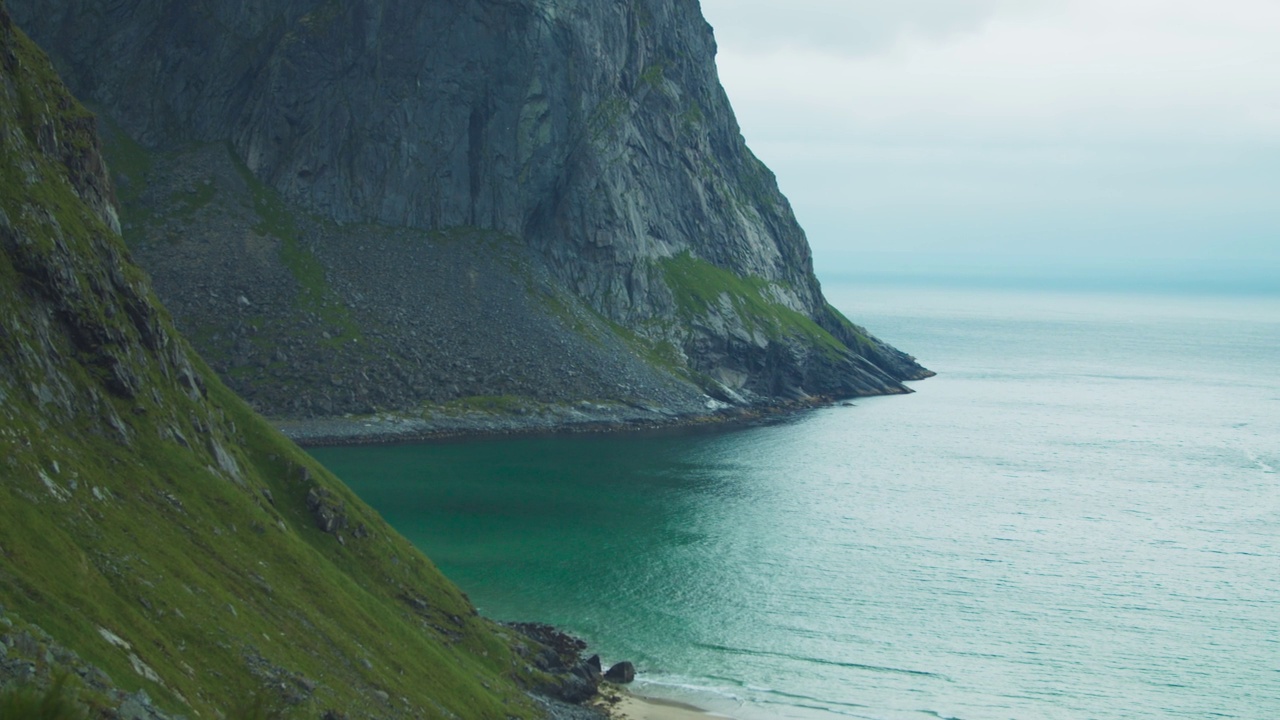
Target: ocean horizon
(1079,517)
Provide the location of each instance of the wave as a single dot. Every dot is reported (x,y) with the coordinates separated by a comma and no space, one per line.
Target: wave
(761,698)
(822,661)
(1263,465)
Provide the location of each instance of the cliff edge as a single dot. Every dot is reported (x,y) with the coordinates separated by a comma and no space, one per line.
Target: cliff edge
(362,206)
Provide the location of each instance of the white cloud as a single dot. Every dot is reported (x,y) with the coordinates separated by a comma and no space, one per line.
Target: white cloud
(854,27)
(1165,113)
(1089,71)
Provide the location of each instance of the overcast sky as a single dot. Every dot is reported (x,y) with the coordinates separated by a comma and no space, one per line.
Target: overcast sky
(1066,135)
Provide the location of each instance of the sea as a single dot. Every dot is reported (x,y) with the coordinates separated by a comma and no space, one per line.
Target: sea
(1078,518)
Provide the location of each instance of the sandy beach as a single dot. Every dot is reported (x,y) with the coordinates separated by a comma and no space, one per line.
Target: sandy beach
(635,707)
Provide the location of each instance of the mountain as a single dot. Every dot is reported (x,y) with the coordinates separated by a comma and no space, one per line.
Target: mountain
(364,206)
(160,541)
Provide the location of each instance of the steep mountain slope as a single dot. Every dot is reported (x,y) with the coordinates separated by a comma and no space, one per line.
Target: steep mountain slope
(155,527)
(591,141)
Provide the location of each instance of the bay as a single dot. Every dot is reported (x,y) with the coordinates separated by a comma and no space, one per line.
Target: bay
(1078,518)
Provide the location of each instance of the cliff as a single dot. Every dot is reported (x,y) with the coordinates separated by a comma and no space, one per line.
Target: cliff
(539,199)
(159,541)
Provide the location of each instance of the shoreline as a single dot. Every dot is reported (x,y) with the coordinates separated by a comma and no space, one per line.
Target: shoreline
(581,418)
(627,705)
(462,425)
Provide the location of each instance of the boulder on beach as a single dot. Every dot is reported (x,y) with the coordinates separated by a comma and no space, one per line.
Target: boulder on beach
(623,672)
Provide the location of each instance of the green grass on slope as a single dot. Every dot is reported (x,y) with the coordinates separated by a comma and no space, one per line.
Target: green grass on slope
(131,167)
(165,537)
(864,345)
(701,288)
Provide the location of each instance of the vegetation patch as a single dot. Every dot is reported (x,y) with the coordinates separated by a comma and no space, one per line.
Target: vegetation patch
(657,353)
(607,116)
(857,332)
(652,76)
(278,220)
(589,323)
(758,184)
(163,532)
(187,202)
(131,166)
(38,85)
(563,310)
(692,118)
(700,289)
(128,159)
(319,21)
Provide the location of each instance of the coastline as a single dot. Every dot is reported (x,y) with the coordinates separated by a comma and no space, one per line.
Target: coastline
(455,424)
(626,705)
(583,417)
(613,702)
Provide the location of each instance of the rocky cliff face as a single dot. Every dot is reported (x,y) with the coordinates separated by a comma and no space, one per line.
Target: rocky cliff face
(158,540)
(596,135)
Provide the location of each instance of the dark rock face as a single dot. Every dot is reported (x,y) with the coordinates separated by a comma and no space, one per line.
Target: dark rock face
(399,317)
(572,679)
(623,672)
(561,651)
(597,134)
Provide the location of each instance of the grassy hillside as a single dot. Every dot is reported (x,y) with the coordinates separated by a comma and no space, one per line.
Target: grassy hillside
(153,524)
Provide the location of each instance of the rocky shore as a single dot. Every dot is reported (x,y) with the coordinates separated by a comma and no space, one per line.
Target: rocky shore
(454,423)
(575,687)
(581,689)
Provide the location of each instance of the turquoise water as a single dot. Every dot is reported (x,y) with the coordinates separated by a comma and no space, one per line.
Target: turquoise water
(1078,518)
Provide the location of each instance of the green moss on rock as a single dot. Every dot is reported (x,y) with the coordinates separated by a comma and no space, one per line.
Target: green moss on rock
(701,288)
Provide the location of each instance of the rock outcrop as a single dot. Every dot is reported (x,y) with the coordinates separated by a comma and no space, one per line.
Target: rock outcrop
(592,137)
(622,673)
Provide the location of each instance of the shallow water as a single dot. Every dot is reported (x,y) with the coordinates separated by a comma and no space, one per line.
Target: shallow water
(1078,518)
